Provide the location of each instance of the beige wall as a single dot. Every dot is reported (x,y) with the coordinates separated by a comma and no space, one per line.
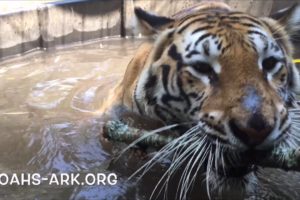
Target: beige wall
(52,26)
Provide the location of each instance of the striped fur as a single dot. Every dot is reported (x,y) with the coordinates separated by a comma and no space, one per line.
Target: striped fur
(227,70)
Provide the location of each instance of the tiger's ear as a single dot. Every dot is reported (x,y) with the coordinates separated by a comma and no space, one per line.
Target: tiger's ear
(149,24)
(290,19)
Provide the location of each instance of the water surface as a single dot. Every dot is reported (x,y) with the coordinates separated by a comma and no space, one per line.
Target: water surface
(47,125)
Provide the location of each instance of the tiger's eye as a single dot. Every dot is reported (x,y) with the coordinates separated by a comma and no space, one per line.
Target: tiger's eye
(203,68)
(269,63)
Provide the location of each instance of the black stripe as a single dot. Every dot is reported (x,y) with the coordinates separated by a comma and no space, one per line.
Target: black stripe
(248,25)
(165,76)
(151,100)
(151,82)
(256,32)
(202,38)
(268,26)
(200,97)
(149,88)
(253,46)
(266,46)
(219,45)
(161,112)
(186,18)
(193,95)
(206,48)
(190,23)
(174,54)
(199,107)
(194,110)
(187,48)
(275,47)
(245,24)
(201,29)
(225,48)
(183,94)
(243,17)
(194,52)
(166,98)
(276,34)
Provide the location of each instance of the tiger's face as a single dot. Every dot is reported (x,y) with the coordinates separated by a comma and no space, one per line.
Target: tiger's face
(229,71)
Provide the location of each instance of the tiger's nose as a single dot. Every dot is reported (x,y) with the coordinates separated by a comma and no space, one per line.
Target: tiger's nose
(252,133)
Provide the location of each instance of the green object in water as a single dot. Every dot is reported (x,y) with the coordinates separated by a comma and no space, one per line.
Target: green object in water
(283,158)
(118,131)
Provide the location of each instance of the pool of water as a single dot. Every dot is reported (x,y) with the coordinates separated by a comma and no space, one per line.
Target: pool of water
(47,125)
(46,122)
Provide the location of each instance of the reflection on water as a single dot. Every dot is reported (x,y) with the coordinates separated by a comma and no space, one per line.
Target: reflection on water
(46,102)
(47,126)
(74,147)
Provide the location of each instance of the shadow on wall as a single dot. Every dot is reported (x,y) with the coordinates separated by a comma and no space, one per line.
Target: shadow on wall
(83,6)
(71,21)
(123,7)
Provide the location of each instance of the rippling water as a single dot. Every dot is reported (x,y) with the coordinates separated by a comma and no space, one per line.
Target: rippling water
(47,126)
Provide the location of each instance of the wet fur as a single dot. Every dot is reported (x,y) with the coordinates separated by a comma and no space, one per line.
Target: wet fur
(147,89)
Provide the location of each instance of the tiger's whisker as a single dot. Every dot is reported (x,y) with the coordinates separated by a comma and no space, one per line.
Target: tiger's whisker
(162,154)
(177,161)
(203,159)
(208,171)
(188,169)
(199,161)
(184,174)
(175,167)
(167,150)
(145,136)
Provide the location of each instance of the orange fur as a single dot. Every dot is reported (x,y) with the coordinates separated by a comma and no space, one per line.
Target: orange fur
(239,70)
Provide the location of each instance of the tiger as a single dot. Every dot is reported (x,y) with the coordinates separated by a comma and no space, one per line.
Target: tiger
(226,72)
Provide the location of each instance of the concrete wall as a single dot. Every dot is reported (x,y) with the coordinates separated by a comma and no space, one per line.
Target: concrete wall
(58,24)
(55,25)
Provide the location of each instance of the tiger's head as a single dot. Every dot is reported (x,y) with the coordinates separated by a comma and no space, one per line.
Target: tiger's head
(227,70)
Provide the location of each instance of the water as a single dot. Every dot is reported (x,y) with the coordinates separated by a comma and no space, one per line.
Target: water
(47,125)
(46,106)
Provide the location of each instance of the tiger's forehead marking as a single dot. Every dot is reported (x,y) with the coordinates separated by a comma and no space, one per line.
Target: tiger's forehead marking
(201,46)
(265,46)
(263,43)
(206,45)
